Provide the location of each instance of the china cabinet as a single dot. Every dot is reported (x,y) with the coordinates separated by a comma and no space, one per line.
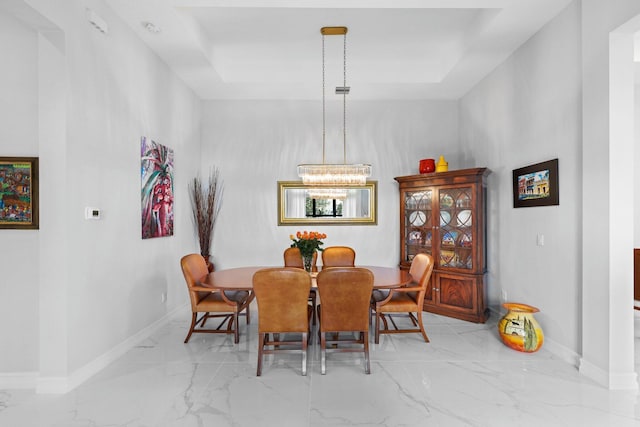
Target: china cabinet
(443,214)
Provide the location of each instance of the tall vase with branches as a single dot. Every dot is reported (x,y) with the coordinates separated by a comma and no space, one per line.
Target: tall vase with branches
(206,201)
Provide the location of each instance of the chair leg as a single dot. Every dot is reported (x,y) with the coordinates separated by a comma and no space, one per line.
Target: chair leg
(318,327)
(313,302)
(261,341)
(229,323)
(276,337)
(377,337)
(424,334)
(305,339)
(384,320)
(246,313)
(236,330)
(367,365)
(194,317)
(204,319)
(323,353)
(413,319)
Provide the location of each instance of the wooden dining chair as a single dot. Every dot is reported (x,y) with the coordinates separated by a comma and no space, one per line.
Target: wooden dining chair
(408,299)
(227,305)
(293,258)
(345,295)
(282,295)
(338,256)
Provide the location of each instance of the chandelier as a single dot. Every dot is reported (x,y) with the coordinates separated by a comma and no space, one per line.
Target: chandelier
(334,174)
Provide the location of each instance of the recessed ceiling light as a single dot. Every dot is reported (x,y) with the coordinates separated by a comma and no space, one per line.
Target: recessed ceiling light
(151,27)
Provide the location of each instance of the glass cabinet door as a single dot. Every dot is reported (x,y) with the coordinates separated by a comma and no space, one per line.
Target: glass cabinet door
(418,223)
(456,228)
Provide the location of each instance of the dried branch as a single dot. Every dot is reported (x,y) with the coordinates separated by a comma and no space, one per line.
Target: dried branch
(206,203)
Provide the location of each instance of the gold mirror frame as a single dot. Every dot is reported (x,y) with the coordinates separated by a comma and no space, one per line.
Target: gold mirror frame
(371,188)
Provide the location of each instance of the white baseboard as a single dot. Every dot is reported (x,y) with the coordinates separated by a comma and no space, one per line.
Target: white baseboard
(627,381)
(562,352)
(52,385)
(18,380)
(61,385)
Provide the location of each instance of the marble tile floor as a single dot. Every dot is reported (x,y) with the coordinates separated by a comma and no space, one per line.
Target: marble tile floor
(464,377)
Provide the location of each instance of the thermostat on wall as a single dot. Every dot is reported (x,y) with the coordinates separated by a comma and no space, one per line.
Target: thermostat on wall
(91,213)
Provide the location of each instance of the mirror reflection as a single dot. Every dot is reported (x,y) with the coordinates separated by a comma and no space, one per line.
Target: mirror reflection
(299,204)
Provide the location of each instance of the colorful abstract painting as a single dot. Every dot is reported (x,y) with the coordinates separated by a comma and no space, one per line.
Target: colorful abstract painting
(156,165)
(19,192)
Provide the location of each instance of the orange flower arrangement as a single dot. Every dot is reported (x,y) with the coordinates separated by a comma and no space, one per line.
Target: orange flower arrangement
(308,242)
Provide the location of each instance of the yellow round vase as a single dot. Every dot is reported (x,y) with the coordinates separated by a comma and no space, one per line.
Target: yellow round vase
(518,328)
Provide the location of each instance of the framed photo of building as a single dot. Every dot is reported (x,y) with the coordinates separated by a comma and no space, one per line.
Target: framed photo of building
(19,193)
(536,185)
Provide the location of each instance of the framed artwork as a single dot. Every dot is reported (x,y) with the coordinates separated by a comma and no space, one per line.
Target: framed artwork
(536,185)
(19,193)
(156,166)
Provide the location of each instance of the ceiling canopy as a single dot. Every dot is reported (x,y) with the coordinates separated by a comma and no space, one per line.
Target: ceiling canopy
(397,49)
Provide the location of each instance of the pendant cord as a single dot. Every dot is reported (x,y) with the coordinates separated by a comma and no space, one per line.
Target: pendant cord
(344,101)
(334,174)
(323,105)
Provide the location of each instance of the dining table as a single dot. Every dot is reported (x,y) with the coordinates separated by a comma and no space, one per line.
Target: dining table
(241,278)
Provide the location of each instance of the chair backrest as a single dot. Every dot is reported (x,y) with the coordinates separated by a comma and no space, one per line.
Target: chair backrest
(420,271)
(338,256)
(194,268)
(345,295)
(282,294)
(293,258)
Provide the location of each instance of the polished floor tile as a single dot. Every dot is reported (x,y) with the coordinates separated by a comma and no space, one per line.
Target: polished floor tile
(464,377)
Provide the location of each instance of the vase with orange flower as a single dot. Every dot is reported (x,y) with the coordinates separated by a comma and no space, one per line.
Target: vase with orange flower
(308,242)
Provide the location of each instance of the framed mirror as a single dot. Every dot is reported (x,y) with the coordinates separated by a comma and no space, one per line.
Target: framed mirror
(299,204)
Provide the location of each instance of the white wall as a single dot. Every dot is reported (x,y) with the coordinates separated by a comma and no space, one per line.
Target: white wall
(607,58)
(120,91)
(636,194)
(525,112)
(257,143)
(19,261)
(108,278)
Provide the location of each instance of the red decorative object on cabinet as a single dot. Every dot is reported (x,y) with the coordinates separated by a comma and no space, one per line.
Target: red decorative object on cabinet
(427,165)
